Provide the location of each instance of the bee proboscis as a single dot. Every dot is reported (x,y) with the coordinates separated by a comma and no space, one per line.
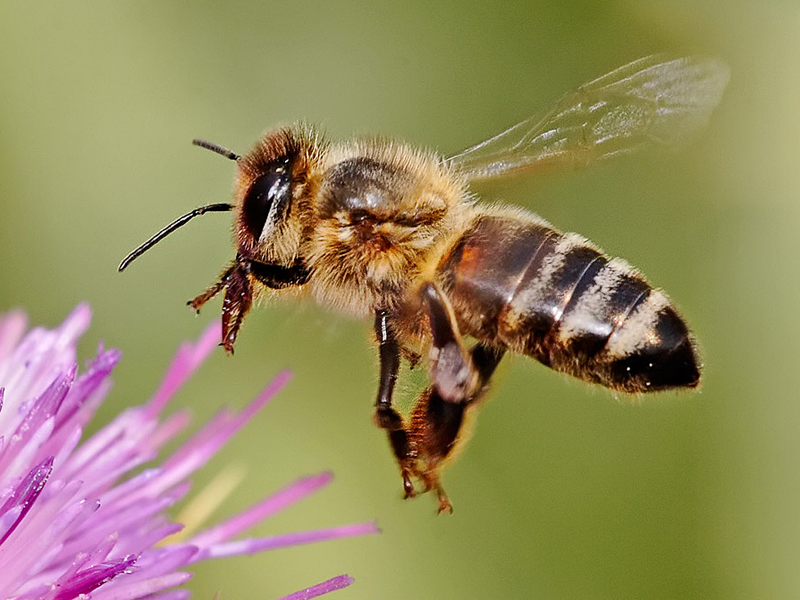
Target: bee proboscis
(377,228)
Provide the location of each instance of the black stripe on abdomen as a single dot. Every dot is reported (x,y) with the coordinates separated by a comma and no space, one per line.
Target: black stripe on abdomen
(545,291)
(520,284)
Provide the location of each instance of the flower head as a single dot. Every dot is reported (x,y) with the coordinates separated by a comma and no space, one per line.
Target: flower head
(81,516)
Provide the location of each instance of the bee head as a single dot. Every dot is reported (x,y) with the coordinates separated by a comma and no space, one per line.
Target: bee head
(270,180)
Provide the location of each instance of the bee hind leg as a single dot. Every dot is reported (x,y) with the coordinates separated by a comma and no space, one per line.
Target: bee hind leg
(453,373)
(436,428)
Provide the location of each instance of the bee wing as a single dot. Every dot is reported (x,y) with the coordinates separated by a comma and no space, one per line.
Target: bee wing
(651,101)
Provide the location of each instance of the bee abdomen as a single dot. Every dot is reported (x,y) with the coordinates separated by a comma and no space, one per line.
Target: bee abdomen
(521,284)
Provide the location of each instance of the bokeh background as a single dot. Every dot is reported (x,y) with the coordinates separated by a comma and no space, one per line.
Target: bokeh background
(564,492)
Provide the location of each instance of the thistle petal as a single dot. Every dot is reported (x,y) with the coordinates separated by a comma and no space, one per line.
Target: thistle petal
(74,519)
(333,584)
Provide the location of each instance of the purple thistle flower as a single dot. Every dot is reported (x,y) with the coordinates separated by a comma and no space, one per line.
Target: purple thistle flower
(73,521)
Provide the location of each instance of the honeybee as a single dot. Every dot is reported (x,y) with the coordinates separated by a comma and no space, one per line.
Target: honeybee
(376,228)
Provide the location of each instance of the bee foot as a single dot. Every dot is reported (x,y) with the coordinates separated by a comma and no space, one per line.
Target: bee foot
(444,502)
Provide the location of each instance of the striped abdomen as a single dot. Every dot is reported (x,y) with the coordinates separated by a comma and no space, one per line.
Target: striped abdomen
(517,282)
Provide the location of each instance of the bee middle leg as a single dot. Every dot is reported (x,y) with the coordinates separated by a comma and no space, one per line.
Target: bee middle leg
(387,417)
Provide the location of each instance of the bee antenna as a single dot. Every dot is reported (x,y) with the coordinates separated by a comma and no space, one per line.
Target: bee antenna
(216,148)
(179,222)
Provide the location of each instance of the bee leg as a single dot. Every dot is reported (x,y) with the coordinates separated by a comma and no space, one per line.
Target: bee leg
(278,277)
(452,371)
(236,304)
(406,456)
(389,353)
(212,291)
(432,433)
(385,416)
(235,280)
(436,426)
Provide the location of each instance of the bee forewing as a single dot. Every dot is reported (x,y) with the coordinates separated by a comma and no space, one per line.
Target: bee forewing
(651,101)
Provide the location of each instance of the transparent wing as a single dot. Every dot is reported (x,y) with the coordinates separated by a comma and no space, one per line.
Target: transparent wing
(651,101)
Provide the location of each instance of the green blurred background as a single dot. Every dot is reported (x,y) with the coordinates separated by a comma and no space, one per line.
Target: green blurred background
(564,491)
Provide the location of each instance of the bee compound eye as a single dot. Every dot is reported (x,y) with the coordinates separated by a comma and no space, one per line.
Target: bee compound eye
(270,189)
